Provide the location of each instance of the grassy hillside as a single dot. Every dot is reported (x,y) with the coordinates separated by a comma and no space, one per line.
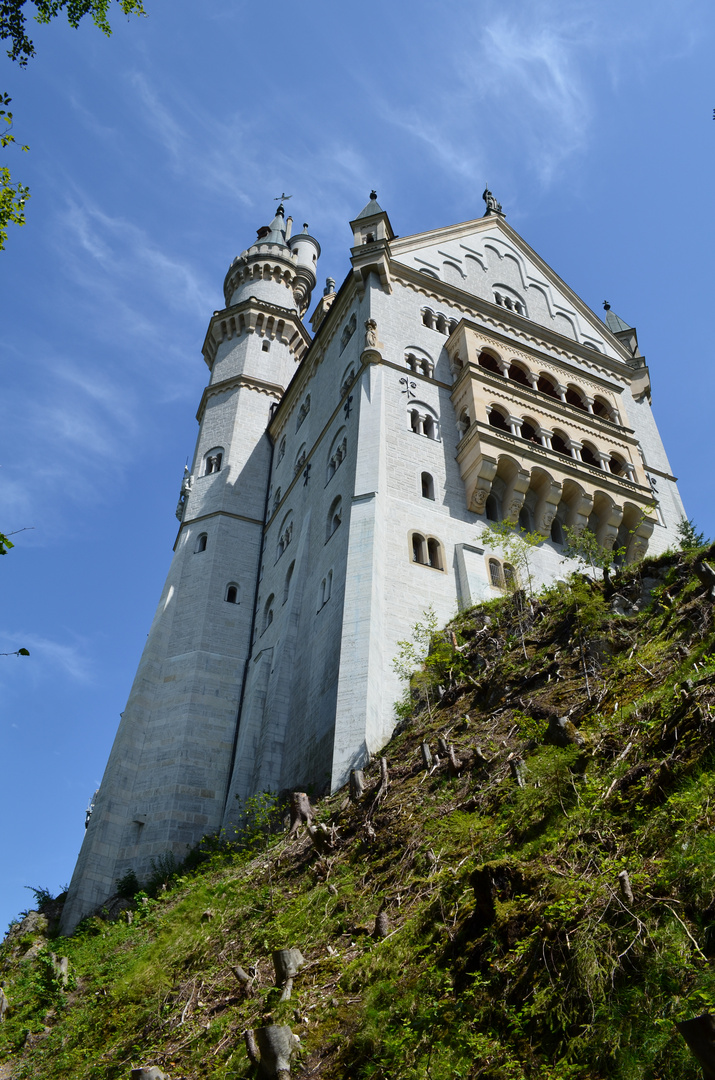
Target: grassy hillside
(515,946)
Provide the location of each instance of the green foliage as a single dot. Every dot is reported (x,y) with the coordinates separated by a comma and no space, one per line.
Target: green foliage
(583,545)
(547,972)
(412,653)
(13,21)
(14,195)
(43,896)
(128,885)
(517,546)
(688,536)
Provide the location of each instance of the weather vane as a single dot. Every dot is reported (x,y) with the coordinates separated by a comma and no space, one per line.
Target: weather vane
(283,197)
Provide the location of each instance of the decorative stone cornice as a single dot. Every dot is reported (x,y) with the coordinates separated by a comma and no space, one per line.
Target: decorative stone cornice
(272,390)
(531,333)
(215,513)
(260,317)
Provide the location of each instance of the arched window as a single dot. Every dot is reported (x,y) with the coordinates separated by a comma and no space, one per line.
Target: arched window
(348,376)
(427,482)
(427,317)
(300,458)
(528,432)
(212,460)
(617,465)
(575,397)
(348,331)
(286,586)
(266,345)
(426,550)
(525,519)
(509,576)
(303,412)
(588,455)
(421,365)
(441,323)
(335,516)
(495,573)
(434,554)
(231,596)
(557,532)
(282,449)
(498,420)
(492,508)
(546,386)
(276,499)
(285,535)
(268,612)
(423,420)
(201,542)
(517,373)
(603,409)
(488,363)
(558,443)
(337,455)
(326,589)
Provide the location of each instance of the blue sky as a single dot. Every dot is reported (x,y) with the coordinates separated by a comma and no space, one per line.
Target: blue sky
(154,157)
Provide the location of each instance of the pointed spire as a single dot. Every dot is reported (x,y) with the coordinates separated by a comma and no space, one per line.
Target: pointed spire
(614,322)
(276,230)
(373,207)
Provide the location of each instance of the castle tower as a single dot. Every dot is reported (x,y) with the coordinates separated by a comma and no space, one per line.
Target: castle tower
(342,485)
(166,780)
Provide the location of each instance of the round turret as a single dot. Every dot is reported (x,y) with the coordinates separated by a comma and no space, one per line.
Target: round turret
(275,269)
(307,252)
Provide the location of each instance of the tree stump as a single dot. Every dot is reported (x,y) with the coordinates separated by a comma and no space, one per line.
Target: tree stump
(300,812)
(426,755)
(442,746)
(287,963)
(382,924)
(4,1004)
(384,779)
(324,838)
(624,883)
(699,1034)
(148,1072)
(244,979)
(563,732)
(517,766)
(455,765)
(275,1045)
(357,785)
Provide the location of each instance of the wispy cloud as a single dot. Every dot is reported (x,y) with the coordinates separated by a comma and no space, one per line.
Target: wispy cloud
(48,657)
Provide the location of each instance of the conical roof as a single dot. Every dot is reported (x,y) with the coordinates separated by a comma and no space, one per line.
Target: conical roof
(277,229)
(614,322)
(373,207)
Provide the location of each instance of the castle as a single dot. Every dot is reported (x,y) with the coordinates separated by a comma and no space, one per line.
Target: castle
(340,486)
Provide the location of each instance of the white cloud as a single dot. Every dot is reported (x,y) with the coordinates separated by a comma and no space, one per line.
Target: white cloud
(48,656)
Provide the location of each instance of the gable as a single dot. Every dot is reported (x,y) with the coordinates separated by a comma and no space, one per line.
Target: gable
(488,259)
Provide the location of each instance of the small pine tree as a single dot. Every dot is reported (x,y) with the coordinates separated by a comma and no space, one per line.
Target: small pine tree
(688,538)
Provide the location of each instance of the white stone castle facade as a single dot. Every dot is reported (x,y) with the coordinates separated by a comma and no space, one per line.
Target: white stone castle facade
(340,485)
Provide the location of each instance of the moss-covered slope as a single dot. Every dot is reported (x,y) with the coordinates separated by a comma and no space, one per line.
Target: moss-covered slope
(516,946)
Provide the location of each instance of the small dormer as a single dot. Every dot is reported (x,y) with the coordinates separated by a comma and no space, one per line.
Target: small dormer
(372,224)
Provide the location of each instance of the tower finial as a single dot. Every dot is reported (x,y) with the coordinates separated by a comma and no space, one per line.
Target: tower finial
(606,305)
(373,194)
(493,207)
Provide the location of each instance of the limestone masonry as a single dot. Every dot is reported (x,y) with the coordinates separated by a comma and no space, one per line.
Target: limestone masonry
(340,485)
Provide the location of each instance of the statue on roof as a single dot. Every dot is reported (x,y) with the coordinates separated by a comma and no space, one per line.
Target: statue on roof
(493,207)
